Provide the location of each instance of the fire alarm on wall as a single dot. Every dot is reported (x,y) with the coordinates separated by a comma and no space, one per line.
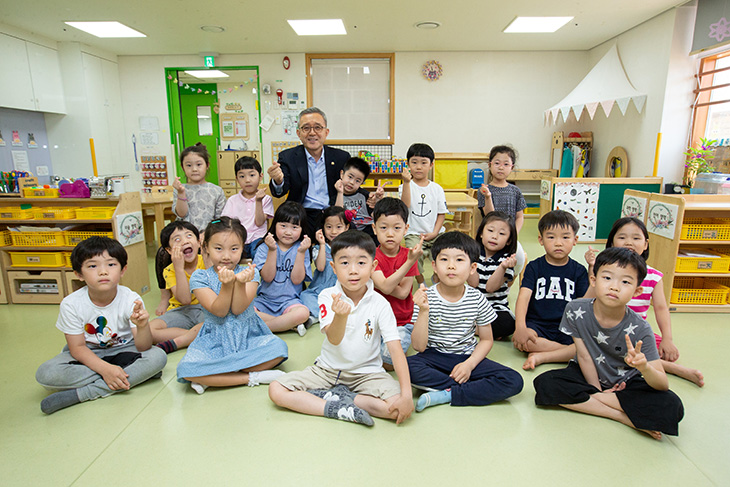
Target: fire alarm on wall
(286,62)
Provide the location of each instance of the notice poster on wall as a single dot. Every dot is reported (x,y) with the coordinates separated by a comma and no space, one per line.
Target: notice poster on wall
(634,207)
(661,219)
(580,200)
(130,229)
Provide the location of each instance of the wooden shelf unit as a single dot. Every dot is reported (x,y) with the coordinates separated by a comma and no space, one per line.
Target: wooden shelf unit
(663,251)
(226,169)
(136,277)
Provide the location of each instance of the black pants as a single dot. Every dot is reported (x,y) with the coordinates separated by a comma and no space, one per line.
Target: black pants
(314,222)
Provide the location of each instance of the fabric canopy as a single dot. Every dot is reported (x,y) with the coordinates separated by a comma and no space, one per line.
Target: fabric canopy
(605,85)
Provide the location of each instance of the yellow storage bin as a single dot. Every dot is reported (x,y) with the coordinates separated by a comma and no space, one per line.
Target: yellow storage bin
(12,213)
(5,239)
(38,239)
(40,192)
(66,259)
(52,213)
(36,259)
(532,210)
(706,229)
(720,263)
(74,238)
(95,212)
(698,290)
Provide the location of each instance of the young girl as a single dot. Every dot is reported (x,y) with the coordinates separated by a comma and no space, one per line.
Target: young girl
(283,258)
(499,195)
(497,239)
(234,346)
(179,326)
(197,201)
(335,223)
(631,233)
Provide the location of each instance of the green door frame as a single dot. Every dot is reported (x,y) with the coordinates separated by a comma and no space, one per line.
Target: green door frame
(175,114)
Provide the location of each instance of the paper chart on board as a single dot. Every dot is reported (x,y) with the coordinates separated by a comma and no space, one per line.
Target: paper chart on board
(580,200)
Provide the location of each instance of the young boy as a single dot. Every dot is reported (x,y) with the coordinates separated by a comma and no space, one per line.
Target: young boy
(393,276)
(549,283)
(352,317)
(450,314)
(425,199)
(109,343)
(252,206)
(609,337)
(351,196)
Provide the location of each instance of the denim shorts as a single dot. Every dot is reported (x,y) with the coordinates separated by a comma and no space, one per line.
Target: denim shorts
(405,342)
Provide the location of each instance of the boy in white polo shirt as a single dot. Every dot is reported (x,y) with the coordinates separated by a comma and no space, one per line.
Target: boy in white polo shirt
(347,380)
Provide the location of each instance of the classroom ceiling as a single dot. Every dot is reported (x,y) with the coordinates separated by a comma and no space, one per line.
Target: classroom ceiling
(173,26)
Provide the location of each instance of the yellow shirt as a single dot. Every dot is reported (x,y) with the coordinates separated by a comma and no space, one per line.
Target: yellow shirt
(171,281)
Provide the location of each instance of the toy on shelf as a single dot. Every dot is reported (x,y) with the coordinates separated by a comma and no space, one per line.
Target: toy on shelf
(154,172)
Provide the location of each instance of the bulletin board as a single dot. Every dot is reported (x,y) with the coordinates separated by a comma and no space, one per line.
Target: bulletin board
(610,198)
(451,174)
(234,126)
(277,147)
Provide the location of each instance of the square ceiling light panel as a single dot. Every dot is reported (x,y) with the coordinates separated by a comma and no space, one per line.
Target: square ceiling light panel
(318,27)
(106,29)
(536,24)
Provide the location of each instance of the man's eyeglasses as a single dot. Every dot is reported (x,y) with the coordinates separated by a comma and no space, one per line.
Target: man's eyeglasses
(312,128)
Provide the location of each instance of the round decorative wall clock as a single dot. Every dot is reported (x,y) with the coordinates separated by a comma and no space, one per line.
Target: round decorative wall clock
(285,62)
(432,70)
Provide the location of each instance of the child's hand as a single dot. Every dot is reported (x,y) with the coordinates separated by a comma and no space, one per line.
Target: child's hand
(178,186)
(484,189)
(226,275)
(617,387)
(461,372)
(339,306)
(590,256)
(416,251)
(404,408)
(339,186)
(260,194)
(319,235)
(509,262)
(306,243)
(668,351)
(406,175)
(634,358)
(420,298)
(270,242)
(177,256)
(522,337)
(276,173)
(115,377)
(247,274)
(140,317)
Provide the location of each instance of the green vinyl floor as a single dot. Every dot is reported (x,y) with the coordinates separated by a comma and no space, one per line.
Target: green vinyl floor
(162,433)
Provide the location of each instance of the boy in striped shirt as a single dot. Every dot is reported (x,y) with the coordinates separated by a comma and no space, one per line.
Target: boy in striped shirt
(451,362)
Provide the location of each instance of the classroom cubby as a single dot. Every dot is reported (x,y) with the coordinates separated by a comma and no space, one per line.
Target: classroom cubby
(36,287)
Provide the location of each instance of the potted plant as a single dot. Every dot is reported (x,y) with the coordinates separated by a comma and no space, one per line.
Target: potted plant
(697,160)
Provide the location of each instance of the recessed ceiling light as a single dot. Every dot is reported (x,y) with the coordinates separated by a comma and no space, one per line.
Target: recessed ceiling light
(318,27)
(536,24)
(428,25)
(214,29)
(106,29)
(207,73)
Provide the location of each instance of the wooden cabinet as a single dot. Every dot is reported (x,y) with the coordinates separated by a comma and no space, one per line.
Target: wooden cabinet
(226,169)
(48,284)
(529,181)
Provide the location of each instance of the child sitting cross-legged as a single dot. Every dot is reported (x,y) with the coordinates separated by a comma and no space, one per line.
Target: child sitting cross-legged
(347,380)
(450,314)
(618,374)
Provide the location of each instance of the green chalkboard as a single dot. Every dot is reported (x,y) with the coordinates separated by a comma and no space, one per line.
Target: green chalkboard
(611,196)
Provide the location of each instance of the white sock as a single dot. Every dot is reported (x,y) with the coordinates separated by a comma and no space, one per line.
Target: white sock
(199,388)
(301,329)
(263,377)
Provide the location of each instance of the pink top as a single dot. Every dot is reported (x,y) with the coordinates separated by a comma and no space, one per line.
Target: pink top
(245,210)
(640,304)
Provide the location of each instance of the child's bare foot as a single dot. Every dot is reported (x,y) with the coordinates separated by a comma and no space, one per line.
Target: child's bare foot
(657,435)
(695,376)
(533,360)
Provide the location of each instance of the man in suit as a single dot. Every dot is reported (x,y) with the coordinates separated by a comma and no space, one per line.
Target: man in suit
(308,172)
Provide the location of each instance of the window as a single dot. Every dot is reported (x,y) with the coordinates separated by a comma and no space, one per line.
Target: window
(711,110)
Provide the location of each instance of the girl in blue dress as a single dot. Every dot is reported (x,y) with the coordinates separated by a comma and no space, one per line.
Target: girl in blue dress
(335,222)
(284,263)
(234,346)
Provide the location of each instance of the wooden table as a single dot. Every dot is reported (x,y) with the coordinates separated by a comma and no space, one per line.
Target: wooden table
(158,203)
(464,208)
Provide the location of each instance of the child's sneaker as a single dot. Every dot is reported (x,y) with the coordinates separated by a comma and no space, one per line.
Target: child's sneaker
(301,329)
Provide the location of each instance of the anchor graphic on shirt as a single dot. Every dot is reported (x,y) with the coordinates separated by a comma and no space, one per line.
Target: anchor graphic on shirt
(422,203)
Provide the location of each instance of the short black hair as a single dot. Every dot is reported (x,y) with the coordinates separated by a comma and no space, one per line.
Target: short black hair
(558,218)
(511,245)
(456,240)
(420,150)
(163,258)
(390,206)
(624,258)
(247,162)
(358,164)
(353,238)
(620,223)
(94,246)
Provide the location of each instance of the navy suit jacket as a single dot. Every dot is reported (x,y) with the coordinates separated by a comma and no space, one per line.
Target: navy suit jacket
(296,173)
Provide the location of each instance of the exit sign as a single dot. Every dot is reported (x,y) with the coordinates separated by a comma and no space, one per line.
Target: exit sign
(209,62)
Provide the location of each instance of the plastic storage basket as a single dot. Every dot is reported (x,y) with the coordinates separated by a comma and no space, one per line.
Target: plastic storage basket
(95,213)
(15,214)
(66,259)
(698,290)
(40,192)
(38,239)
(74,238)
(36,259)
(720,263)
(51,213)
(707,229)
(5,239)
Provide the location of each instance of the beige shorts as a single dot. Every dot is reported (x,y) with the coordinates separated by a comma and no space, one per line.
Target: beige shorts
(412,241)
(376,384)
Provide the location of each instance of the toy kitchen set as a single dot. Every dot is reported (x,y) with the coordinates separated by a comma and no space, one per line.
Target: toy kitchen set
(104,187)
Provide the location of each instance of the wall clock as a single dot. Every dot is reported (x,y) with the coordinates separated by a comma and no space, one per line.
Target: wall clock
(432,70)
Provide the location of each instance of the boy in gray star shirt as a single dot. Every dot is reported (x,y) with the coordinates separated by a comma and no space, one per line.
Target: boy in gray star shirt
(617,373)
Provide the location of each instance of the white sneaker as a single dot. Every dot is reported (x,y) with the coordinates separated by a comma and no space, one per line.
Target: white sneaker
(301,329)
(199,388)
